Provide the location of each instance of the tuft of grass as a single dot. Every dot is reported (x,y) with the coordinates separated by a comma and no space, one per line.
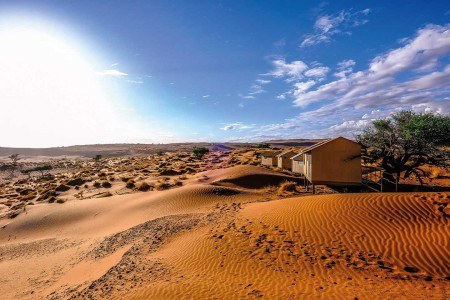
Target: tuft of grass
(130,184)
(143,186)
(287,186)
(160,186)
(106,184)
(125,179)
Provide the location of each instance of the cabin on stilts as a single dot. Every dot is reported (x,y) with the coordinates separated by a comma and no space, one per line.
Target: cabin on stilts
(334,162)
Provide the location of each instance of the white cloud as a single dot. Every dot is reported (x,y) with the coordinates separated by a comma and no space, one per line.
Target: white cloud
(256,89)
(236,126)
(345,68)
(301,87)
(206,96)
(328,25)
(292,71)
(415,76)
(262,81)
(345,64)
(317,72)
(246,96)
(379,84)
(112,72)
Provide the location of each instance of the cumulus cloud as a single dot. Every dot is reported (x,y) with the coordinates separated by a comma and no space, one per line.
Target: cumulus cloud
(113,73)
(327,26)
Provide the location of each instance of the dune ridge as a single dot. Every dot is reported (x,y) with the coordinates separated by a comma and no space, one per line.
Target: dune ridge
(217,237)
(383,246)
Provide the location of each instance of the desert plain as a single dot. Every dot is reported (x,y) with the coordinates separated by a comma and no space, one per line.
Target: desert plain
(155,223)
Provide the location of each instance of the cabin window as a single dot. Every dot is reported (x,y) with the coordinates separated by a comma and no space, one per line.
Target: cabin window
(300,163)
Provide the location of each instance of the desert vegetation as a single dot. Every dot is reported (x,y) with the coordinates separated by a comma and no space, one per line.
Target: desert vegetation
(408,144)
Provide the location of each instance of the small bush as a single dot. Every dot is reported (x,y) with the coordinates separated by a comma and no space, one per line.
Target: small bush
(143,186)
(62,188)
(287,186)
(60,201)
(76,182)
(163,186)
(130,184)
(125,179)
(106,184)
(97,184)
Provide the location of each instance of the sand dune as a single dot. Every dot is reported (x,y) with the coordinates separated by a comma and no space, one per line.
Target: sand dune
(338,246)
(221,235)
(93,217)
(249,177)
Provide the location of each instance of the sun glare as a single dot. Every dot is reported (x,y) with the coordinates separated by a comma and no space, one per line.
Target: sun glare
(50,91)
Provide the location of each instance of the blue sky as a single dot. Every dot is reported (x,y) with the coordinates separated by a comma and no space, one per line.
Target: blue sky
(173,71)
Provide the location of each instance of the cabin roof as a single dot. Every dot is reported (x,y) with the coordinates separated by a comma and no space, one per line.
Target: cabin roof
(320,144)
(288,154)
(270,153)
(297,156)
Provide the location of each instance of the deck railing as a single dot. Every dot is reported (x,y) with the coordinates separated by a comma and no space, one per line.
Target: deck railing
(374,178)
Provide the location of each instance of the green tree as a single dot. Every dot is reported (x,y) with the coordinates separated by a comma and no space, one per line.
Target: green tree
(407,141)
(42,169)
(200,151)
(263,145)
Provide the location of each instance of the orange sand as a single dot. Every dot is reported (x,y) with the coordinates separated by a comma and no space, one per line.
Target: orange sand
(215,239)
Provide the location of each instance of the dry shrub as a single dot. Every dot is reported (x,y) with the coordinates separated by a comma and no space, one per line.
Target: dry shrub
(144,186)
(76,181)
(97,184)
(130,184)
(60,201)
(62,188)
(125,179)
(160,186)
(287,186)
(177,183)
(106,184)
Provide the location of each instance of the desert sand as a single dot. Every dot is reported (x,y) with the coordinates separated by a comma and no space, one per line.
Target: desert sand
(227,230)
